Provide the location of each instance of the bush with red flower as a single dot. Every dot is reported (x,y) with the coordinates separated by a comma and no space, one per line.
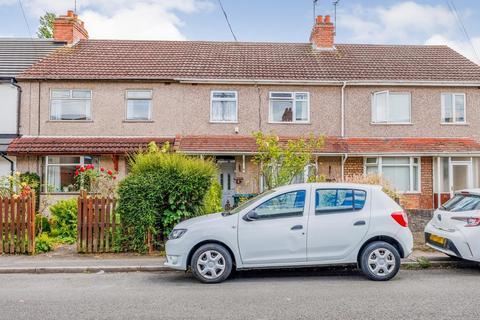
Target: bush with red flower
(99,181)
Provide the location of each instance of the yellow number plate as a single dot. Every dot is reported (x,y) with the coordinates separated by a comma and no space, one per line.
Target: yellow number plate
(437,239)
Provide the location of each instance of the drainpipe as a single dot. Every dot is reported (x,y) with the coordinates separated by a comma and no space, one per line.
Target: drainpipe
(344,159)
(19,103)
(12,165)
(343,108)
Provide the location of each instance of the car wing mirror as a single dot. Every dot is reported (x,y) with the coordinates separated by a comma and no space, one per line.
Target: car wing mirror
(251,216)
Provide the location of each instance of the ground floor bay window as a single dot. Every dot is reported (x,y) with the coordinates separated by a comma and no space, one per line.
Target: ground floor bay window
(403,173)
(59,174)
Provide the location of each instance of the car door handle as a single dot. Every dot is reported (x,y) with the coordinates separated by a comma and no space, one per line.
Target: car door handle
(360,223)
(297,227)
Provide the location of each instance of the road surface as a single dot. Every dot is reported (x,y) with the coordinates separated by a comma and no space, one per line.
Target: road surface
(303,294)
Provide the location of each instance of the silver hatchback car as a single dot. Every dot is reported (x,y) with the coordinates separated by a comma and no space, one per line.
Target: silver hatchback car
(295,226)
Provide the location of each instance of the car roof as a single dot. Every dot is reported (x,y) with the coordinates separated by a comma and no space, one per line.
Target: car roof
(331,185)
(475,191)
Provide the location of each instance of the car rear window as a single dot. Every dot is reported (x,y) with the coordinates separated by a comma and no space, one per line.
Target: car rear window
(462,202)
(335,200)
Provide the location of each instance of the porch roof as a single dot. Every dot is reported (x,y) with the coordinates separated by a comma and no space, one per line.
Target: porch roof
(333,145)
(81,145)
(231,145)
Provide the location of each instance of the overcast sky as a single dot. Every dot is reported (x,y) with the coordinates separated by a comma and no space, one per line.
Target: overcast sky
(358,21)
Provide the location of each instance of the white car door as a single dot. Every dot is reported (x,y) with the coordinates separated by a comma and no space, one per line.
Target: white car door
(274,231)
(337,223)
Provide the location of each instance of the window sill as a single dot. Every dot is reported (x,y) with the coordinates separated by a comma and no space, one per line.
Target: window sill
(454,123)
(391,123)
(295,123)
(406,193)
(223,122)
(70,121)
(138,121)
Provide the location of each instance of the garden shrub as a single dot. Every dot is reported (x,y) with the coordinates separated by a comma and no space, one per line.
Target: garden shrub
(44,243)
(32,179)
(161,190)
(63,223)
(42,224)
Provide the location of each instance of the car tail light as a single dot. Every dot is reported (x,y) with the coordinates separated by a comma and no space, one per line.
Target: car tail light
(401,218)
(470,221)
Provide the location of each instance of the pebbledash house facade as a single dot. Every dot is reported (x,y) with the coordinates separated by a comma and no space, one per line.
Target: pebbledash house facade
(408,112)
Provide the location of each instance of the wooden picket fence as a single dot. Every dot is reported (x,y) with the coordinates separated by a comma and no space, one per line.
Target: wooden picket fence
(97,224)
(17,224)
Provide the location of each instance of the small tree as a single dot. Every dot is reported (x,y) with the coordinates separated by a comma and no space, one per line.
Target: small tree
(280,162)
(45,29)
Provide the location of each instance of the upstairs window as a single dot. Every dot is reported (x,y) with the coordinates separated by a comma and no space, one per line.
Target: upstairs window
(453,108)
(139,105)
(289,107)
(223,106)
(391,107)
(70,105)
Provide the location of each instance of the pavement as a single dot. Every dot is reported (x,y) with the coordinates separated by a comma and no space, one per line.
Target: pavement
(306,294)
(82,263)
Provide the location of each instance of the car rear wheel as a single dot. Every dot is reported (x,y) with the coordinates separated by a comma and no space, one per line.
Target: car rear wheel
(380,261)
(211,263)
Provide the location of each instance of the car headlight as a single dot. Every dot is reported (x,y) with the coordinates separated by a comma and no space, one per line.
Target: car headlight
(176,233)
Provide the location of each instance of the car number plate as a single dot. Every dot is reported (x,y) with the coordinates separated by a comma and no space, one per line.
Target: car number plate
(437,239)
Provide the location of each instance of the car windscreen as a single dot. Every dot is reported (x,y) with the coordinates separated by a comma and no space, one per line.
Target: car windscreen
(245,204)
(462,202)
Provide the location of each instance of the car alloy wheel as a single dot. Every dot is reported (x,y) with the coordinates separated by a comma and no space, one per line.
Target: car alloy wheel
(381,262)
(211,264)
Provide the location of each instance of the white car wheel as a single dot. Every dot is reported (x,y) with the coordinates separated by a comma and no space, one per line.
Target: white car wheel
(211,263)
(380,261)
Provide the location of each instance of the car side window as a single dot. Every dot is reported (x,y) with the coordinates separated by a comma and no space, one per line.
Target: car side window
(290,204)
(339,200)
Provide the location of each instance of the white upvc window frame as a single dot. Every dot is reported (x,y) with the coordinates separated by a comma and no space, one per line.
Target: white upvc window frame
(47,165)
(212,99)
(454,111)
(69,98)
(126,104)
(379,164)
(294,100)
(388,93)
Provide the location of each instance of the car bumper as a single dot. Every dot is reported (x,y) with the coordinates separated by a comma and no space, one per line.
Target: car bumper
(454,245)
(175,255)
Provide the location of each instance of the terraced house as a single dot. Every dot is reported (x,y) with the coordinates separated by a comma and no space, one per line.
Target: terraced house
(408,112)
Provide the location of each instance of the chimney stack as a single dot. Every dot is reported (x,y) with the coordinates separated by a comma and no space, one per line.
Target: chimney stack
(323,34)
(69,28)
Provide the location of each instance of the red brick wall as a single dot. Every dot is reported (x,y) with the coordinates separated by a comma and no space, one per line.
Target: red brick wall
(323,33)
(353,167)
(423,200)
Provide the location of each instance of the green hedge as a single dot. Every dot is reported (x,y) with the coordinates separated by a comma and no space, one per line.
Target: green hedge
(161,190)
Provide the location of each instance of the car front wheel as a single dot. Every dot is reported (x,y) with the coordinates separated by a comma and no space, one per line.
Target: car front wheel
(211,263)
(380,261)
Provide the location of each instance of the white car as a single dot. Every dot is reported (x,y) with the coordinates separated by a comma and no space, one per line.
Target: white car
(455,226)
(296,226)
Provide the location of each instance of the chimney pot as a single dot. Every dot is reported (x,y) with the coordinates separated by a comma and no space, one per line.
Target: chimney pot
(327,19)
(70,13)
(319,19)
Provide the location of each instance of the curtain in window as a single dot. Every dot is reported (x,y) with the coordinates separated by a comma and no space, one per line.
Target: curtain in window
(224,111)
(399,107)
(53,178)
(380,107)
(399,177)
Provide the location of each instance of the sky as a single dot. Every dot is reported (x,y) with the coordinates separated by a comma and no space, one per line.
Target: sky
(358,21)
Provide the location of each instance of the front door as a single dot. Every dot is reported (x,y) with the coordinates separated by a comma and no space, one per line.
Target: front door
(227,181)
(337,223)
(277,235)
